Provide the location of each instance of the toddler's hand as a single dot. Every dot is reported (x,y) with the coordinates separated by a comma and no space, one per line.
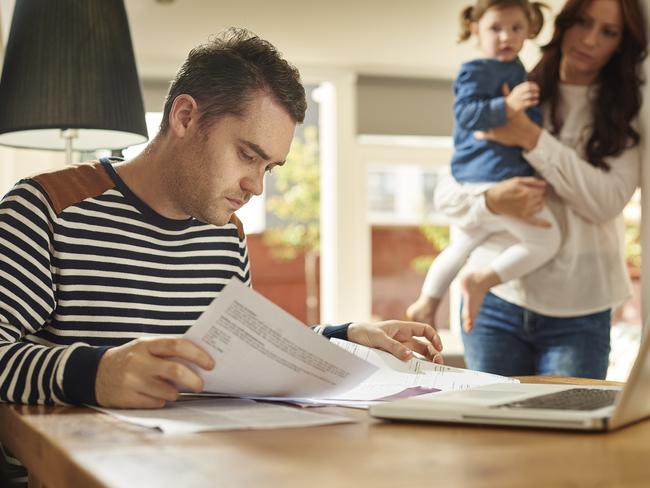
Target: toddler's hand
(521,97)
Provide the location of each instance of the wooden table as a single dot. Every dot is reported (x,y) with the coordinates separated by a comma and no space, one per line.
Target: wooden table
(77,447)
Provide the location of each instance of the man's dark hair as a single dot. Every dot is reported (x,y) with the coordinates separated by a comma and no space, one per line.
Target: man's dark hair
(225,74)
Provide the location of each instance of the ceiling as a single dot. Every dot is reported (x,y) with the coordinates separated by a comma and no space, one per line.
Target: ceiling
(413,38)
(410,38)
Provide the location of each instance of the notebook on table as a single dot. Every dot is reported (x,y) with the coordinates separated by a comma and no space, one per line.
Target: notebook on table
(581,407)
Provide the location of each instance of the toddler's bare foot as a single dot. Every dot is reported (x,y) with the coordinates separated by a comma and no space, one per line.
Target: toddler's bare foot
(474,291)
(423,310)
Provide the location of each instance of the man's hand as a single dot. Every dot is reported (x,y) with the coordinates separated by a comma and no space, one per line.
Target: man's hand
(142,374)
(398,338)
(522,96)
(520,197)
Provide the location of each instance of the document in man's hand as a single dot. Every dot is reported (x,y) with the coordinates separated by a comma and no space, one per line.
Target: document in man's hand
(262,351)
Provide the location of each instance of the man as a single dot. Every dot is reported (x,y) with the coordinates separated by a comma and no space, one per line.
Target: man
(104,265)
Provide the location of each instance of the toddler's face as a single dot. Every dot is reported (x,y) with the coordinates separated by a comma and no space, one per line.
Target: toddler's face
(501,32)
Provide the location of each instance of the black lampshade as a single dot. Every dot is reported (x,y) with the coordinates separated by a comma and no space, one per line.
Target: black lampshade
(69,64)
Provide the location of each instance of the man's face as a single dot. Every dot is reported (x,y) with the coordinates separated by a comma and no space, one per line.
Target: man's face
(219,168)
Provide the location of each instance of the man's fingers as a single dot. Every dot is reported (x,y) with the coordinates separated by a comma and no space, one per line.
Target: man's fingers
(425,348)
(183,349)
(431,334)
(179,374)
(396,348)
(159,389)
(141,400)
(421,346)
(419,329)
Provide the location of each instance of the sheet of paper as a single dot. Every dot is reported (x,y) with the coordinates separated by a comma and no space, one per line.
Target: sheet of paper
(262,351)
(397,379)
(300,402)
(208,414)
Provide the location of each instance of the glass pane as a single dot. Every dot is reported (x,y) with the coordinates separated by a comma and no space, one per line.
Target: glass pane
(400,212)
(284,245)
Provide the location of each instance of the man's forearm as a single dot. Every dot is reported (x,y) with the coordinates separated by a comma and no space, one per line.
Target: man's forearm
(36,374)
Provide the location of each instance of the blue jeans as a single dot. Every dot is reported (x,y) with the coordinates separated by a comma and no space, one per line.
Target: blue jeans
(512,341)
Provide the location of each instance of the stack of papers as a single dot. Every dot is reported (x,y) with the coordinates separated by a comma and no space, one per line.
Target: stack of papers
(190,415)
(262,352)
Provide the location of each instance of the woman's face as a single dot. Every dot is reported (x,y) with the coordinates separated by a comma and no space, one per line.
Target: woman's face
(588,44)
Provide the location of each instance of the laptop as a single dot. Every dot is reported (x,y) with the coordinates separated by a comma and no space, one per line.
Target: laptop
(600,408)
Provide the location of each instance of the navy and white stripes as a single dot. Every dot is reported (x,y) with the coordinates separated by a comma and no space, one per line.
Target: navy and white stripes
(101,271)
(85,265)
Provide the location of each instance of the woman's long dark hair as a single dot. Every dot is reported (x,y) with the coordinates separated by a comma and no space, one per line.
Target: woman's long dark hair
(619,97)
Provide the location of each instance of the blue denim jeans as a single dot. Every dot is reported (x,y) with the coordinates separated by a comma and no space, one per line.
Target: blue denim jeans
(512,341)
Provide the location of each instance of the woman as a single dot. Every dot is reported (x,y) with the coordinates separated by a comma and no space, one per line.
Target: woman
(556,320)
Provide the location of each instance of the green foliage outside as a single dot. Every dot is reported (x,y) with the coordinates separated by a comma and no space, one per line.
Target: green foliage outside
(438,236)
(298,204)
(633,243)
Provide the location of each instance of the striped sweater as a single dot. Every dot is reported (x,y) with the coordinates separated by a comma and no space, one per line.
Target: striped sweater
(86,265)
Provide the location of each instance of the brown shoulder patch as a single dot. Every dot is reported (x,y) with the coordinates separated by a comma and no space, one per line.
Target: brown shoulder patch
(74,183)
(240,227)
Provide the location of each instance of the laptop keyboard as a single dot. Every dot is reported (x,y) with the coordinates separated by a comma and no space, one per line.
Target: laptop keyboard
(573,399)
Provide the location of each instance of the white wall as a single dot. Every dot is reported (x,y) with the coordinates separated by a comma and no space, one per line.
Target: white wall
(18,163)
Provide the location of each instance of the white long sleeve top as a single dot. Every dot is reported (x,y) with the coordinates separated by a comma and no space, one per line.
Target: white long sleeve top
(588,274)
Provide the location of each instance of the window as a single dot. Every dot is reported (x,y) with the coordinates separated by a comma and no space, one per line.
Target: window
(402,174)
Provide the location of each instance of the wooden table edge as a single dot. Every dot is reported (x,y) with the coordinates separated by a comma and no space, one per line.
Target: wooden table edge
(54,466)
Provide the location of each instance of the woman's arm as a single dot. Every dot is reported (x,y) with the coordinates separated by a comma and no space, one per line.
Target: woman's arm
(596,195)
(519,197)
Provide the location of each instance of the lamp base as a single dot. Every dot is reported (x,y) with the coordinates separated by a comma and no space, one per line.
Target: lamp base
(68,135)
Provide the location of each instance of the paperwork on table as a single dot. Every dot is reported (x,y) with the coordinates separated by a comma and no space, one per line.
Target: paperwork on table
(396,379)
(263,352)
(209,414)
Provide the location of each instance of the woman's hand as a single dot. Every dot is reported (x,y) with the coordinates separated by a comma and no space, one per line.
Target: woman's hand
(517,131)
(398,338)
(520,197)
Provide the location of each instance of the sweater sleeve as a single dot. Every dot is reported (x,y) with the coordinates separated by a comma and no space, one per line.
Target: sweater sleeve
(474,107)
(596,195)
(33,373)
(332,331)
